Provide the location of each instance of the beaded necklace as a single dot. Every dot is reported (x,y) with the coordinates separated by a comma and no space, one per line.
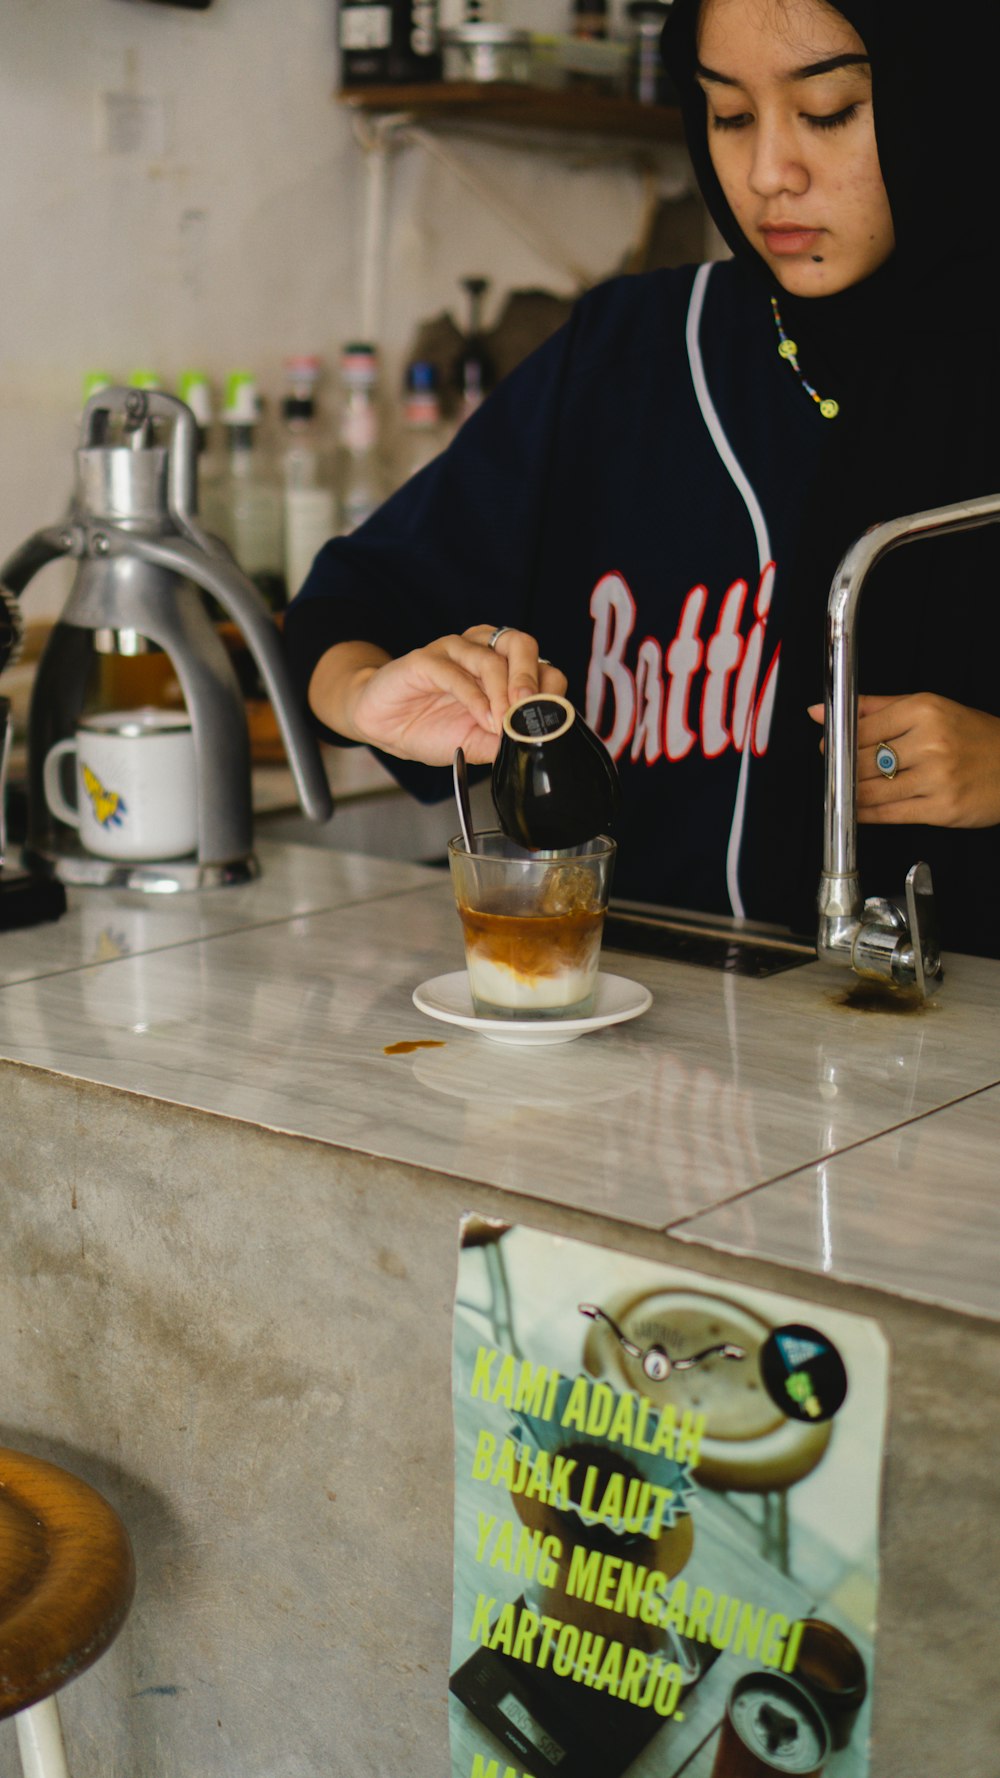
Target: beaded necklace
(788,350)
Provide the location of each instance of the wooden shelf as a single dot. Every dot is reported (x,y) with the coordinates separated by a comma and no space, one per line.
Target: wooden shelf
(572,110)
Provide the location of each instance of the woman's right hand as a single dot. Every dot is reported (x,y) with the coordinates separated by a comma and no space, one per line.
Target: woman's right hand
(452,693)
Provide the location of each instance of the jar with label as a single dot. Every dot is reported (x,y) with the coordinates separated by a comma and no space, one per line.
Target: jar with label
(388,41)
(364,36)
(485,51)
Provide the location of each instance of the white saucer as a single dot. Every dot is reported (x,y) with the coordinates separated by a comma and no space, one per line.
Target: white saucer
(447,997)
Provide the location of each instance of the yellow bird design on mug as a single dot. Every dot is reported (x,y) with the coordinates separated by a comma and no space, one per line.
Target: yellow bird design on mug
(108,805)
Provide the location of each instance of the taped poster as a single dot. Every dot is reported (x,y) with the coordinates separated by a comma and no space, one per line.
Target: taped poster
(666,1519)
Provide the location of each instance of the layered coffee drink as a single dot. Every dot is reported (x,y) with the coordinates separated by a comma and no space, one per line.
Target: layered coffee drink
(534,964)
(532,927)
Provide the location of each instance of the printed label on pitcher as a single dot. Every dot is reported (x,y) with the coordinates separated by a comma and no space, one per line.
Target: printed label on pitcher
(109,806)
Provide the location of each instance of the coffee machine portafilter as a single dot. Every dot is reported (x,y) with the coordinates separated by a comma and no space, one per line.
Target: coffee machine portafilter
(142,557)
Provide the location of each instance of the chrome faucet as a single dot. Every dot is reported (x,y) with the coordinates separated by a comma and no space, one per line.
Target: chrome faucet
(881,939)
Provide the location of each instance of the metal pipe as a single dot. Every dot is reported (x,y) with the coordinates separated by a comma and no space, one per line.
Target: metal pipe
(840,903)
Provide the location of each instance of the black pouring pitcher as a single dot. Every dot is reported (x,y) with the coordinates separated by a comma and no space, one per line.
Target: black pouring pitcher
(555,784)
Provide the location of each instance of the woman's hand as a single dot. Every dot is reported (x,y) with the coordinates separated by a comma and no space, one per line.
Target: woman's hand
(452,693)
(949,762)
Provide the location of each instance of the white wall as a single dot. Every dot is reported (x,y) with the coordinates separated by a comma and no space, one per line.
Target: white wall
(229,233)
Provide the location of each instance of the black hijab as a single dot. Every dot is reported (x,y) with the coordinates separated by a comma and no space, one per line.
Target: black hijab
(911,355)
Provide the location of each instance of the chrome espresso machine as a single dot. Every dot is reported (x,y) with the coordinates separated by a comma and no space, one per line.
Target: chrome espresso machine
(144,564)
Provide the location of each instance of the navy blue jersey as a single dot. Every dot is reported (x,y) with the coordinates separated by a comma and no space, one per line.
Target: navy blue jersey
(629,495)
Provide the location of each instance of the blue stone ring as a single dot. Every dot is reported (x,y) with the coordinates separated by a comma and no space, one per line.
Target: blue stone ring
(887,759)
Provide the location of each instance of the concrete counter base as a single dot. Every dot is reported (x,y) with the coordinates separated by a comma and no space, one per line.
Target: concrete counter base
(243,1339)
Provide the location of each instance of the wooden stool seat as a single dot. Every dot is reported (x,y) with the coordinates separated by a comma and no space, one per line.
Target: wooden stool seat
(66,1578)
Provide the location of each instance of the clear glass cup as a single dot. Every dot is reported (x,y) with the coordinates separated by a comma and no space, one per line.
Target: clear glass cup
(532,924)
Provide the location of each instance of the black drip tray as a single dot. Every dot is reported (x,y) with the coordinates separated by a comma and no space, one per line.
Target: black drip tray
(27,900)
(738,950)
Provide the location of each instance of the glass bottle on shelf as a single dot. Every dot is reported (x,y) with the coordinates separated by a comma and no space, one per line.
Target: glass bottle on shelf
(589,18)
(648,80)
(422,433)
(310,506)
(589,25)
(194,388)
(251,506)
(414,52)
(361,475)
(474,370)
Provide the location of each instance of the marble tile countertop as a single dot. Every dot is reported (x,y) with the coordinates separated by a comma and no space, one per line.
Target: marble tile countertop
(769,1117)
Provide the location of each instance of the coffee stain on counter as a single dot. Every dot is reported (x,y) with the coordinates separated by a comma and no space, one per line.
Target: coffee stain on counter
(878,997)
(407,1049)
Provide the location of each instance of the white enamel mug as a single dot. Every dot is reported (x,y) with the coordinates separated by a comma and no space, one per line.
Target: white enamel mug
(136,785)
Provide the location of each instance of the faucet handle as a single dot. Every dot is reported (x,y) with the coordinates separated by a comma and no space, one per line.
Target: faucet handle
(922,921)
(900,945)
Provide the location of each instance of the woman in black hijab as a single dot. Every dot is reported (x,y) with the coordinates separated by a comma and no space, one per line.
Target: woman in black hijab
(847,161)
(906,348)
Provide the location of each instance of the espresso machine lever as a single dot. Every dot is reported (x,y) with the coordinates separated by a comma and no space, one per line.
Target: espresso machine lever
(143,563)
(880,940)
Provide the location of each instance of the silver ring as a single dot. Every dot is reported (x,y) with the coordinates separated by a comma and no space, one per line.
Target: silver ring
(886,759)
(501,630)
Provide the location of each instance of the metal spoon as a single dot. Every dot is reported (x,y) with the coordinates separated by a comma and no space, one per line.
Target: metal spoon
(460,777)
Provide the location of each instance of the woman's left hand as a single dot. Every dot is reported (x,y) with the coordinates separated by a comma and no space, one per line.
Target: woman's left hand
(949,762)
